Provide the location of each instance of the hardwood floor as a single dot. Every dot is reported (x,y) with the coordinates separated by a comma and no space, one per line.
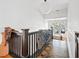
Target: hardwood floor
(59,49)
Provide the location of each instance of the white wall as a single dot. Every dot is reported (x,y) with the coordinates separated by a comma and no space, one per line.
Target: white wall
(73,25)
(20,14)
(71,43)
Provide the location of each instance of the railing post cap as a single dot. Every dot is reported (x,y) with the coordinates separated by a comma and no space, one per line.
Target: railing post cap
(25,29)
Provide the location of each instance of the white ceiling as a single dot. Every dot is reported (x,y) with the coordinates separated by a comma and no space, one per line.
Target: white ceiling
(56,14)
(51,7)
(52,4)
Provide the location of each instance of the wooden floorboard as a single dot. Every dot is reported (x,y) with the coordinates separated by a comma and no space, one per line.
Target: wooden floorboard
(57,49)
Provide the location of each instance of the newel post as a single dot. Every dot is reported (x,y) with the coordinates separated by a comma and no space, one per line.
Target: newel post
(25,42)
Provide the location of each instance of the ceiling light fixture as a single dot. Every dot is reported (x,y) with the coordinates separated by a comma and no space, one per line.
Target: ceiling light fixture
(45,0)
(44,7)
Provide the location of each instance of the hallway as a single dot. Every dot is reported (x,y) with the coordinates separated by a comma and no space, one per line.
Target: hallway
(56,49)
(59,49)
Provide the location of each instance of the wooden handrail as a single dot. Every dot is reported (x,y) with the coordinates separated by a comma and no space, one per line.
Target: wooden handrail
(24,44)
